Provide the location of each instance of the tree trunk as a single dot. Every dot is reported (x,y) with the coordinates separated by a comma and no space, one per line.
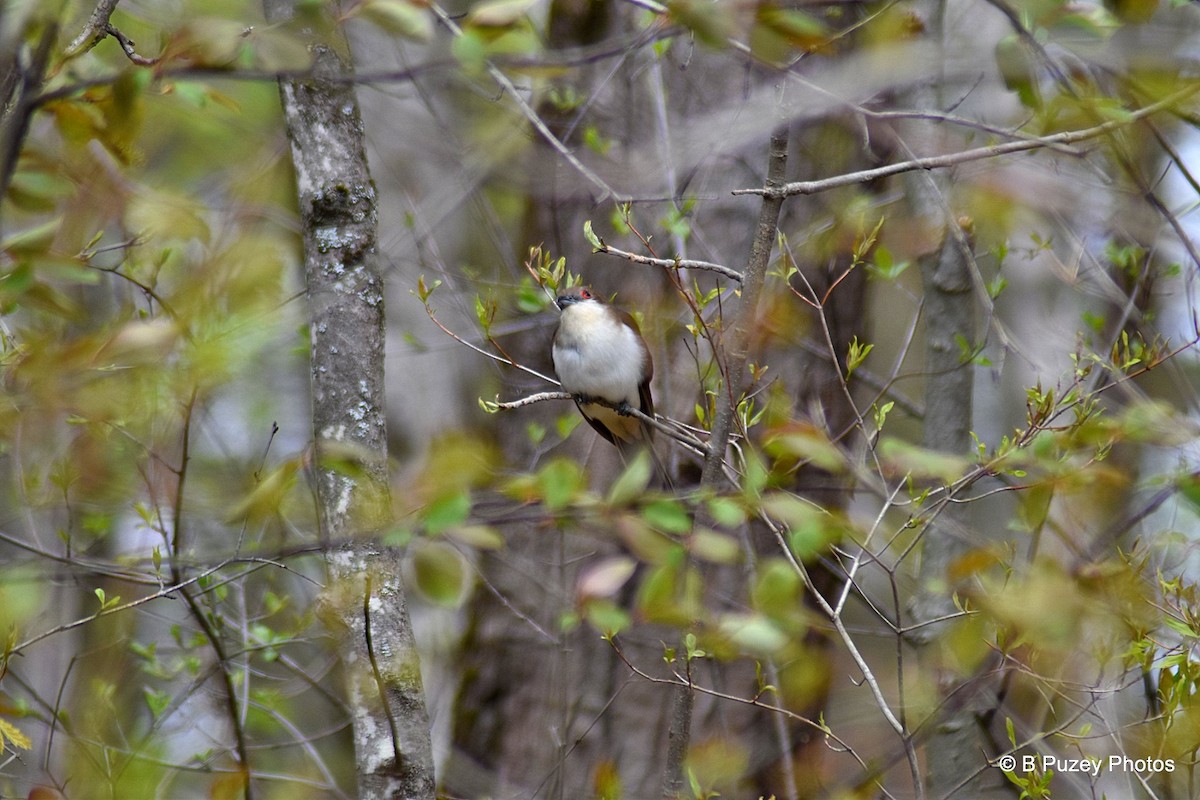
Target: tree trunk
(365,602)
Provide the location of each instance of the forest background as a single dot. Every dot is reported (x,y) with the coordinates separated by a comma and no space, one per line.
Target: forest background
(289,506)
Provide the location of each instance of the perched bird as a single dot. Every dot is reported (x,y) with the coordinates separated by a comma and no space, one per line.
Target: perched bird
(599,354)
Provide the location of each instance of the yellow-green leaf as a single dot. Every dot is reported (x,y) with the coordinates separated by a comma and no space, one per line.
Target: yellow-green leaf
(632,482)
(400,17)
(905,458)
(13,734)
(440,572)
(718,548)
(499,13)
(753,633)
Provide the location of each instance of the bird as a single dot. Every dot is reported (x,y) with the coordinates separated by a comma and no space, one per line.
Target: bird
(599,354)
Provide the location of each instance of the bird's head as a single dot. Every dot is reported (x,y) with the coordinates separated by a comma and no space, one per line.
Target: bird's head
(580,294)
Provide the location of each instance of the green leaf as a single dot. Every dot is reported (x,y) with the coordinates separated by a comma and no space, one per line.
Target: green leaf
(271,49)
(670,595)
(806,442)
(712,23)
(755,478)
(607,617)
(714,547)
(646,543)
(778,589)
(1180,627)
(471,50)
(447,511)
(799,27)
(596,141)
(167,217)
(156,700)
(38,189)
(856,355)
(779,35)
(485,312)
(441,574)
(499,13)
(726,511)
(560,482)
(632,483)
(753,633)
(399,17)
(884,266)
(424,292)
(530,299)
(880,413)
(668,516)
(810,528)
(591,237)
(266,498)
(481,537)
(32,241)
(61,268)
(919,463)
(1189,487)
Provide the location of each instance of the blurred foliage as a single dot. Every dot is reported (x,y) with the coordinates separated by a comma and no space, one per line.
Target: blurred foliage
(158,525)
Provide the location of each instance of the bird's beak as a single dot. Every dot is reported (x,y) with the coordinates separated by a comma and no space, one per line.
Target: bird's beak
(563,300)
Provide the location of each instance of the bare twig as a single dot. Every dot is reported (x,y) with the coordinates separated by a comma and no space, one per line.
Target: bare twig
(974,154)
(843,633)
(94,30)
(669,427)
(165,591)
(128,46)
(529,400)
(607,192)
(670,263)
(503,359)
(756,701)
(97,28)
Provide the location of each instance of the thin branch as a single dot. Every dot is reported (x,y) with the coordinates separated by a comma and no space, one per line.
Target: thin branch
(670,263)
(502,359)
(679,680)
(843,633)
(607,192)
(128,46)
(966,156)
(206,623)
(736,347)
(116,609)
(690,442)
(94,31)
(529,400)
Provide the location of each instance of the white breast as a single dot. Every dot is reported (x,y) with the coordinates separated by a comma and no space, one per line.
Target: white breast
(595,354)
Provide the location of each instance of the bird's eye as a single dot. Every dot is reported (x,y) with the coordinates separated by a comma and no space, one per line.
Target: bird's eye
(585,294)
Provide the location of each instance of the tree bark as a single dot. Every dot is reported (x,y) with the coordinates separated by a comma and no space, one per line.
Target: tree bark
(955,748)
(365,602)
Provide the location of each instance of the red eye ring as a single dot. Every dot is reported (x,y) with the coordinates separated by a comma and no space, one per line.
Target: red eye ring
(585,294)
